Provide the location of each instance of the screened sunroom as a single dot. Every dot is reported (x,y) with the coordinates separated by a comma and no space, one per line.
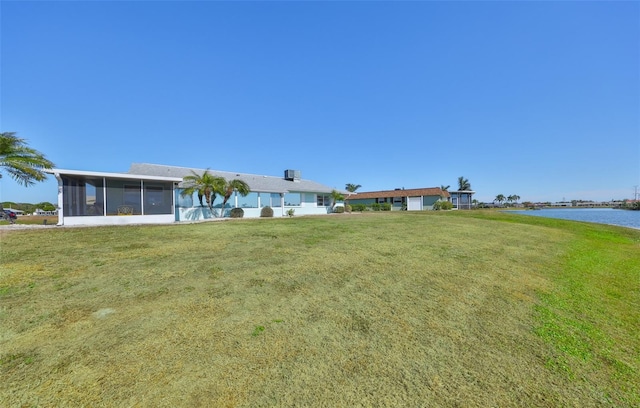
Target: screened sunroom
(95,198)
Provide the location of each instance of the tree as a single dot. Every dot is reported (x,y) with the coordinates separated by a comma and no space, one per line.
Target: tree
(336,196)
(24,164)
(205,185)
(444,188)
(352,187)
(499,198)
(463,184)
(513,198)
(229,187)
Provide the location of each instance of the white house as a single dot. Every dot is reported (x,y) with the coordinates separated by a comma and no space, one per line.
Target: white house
(151,193)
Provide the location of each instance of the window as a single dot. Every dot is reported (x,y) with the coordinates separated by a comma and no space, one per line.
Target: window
(323,200)
(275,200)
(158,198)
(250,201)
(83,196)
(123,193)
(292,200)
(265,200)
(186,201)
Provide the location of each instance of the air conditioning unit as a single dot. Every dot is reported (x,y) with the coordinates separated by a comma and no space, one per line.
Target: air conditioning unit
(292,175)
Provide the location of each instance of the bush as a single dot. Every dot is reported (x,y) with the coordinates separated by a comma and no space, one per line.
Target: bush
(236,213)
(375,206)
(442,205)
(338,210)
(266,212)
(290,212)
(385,207)
(347,208)
(358,207)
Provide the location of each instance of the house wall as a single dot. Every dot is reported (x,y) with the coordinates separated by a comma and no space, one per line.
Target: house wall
(203,213)
(119,219)
(189,209)
(366,201)
(429,201)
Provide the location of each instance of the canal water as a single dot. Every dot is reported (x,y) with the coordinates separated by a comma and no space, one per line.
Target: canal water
(623,218)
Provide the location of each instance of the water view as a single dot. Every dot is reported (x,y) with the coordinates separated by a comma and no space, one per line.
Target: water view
(623,218)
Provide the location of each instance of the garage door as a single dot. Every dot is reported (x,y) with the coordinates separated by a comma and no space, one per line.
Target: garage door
(414,204)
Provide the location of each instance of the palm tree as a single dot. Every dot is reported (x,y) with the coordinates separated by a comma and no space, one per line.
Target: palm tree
(444,188)
(336,196)
(352,187)
(206,185)
(499,198)
(24,164)
(463,184)
(229,187)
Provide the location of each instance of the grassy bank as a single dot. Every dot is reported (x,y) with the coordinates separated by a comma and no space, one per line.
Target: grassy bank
(396,309)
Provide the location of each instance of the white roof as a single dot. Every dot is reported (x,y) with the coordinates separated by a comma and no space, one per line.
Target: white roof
(129,176)
(267,184)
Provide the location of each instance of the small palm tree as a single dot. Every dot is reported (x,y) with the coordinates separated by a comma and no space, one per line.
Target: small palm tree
(336,196)
(205,185)
(444,188)
(229,187)
(24,164)
(499,198)
(463,184)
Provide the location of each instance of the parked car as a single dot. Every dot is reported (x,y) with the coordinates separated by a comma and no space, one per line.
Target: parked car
(10,215)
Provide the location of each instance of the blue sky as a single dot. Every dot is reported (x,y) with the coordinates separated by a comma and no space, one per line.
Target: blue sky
(540,99)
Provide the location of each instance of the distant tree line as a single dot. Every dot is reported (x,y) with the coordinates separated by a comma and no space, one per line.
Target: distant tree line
(29,208)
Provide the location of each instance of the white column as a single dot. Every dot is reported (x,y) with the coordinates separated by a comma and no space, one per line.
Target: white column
(282,203)
(60,199)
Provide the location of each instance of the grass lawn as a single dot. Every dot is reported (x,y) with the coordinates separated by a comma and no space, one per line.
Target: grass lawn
(33,220)
(464,308)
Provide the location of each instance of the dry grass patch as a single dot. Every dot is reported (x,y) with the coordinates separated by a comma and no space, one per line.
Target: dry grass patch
(363,310)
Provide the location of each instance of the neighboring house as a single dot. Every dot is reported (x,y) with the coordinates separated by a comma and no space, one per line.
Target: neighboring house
(415,199)
(462,199)
(150,194)
(40,211)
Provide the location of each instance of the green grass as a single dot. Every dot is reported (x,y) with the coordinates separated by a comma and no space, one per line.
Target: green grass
(33,220)
(392,309)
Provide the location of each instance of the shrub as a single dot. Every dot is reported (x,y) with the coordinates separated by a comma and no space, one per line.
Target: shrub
(375,206)
(442,205)
(290,212)
(347,208)
(358,207)
(385,207)
(236,213)
(338,210)
(266,212)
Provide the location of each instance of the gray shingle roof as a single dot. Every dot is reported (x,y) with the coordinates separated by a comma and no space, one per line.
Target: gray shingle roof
(269,184)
